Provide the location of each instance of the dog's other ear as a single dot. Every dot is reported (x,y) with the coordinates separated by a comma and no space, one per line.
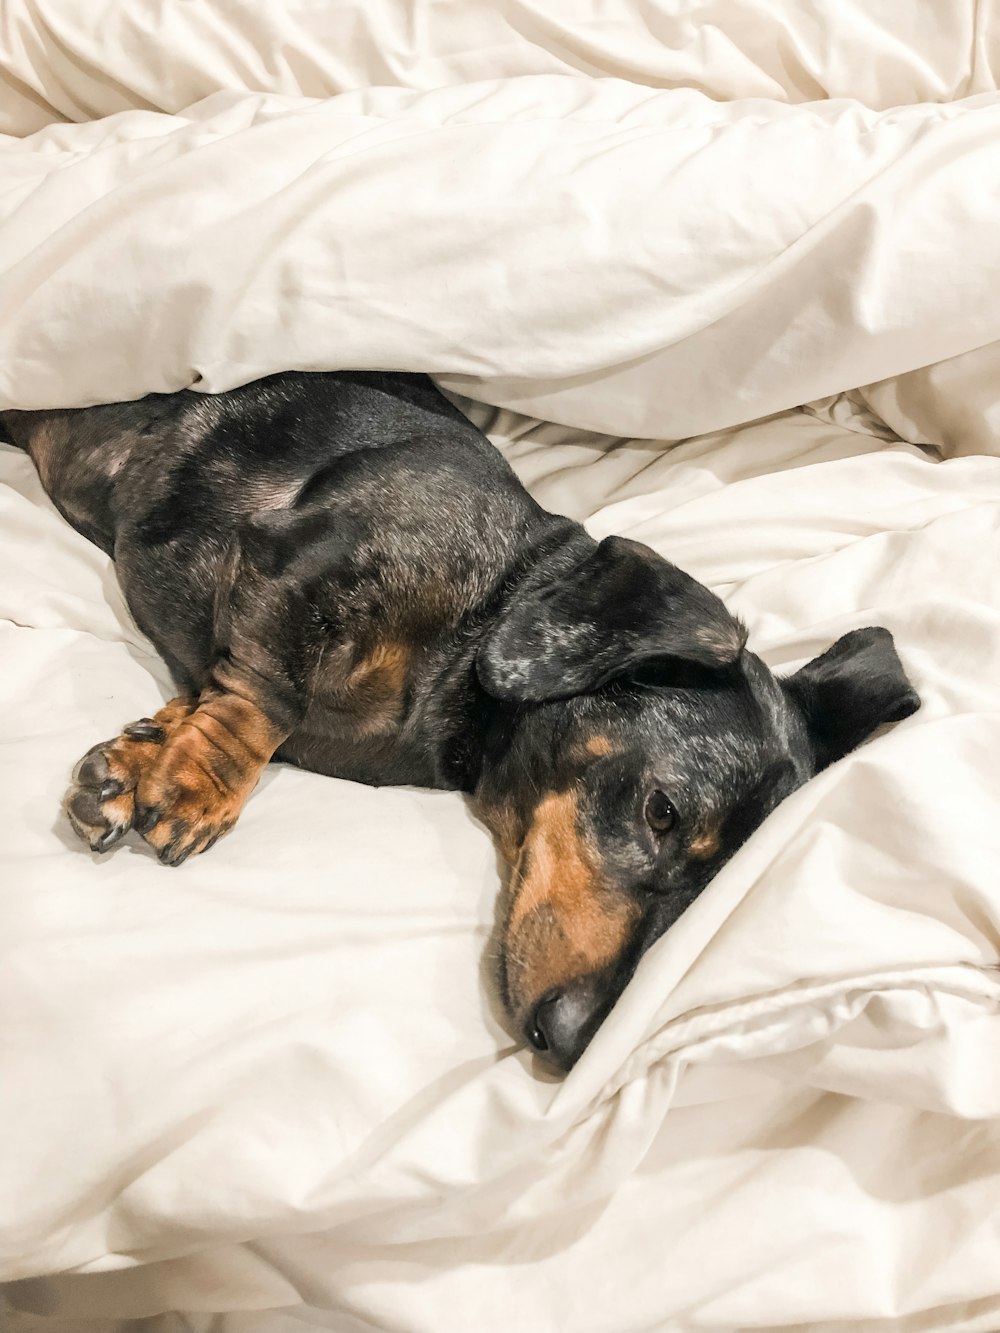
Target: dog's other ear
(620,607)
(854,687)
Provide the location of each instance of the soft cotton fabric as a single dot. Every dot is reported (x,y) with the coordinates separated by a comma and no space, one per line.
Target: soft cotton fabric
(271,1090)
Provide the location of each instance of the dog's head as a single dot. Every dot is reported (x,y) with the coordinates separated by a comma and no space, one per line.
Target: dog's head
(645,744)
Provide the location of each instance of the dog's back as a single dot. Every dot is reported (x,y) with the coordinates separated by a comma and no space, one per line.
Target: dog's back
(251,448)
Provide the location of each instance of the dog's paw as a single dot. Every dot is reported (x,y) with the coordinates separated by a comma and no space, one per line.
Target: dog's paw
(101,801)
(182,812)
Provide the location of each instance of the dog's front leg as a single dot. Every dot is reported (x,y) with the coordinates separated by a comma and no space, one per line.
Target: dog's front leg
(180,778)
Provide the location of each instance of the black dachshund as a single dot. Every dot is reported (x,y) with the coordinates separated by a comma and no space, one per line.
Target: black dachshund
(342,572)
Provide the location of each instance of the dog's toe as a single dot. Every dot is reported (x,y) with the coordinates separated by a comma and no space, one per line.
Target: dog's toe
(101,800)
(102,815)
(92,769)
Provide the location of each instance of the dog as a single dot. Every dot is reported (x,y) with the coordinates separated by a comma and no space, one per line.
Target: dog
(342,573)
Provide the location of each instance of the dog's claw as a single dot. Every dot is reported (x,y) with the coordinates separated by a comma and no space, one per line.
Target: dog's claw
(145,730)
(112,836)
(146,817)
(176,852)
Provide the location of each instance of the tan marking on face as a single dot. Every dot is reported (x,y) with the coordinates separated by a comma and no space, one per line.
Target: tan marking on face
(563,924)
(705,845)
(505,827)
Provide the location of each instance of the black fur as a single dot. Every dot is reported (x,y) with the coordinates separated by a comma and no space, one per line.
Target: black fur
(850,690)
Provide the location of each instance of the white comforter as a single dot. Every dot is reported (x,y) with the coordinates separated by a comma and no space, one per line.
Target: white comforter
(269,1090)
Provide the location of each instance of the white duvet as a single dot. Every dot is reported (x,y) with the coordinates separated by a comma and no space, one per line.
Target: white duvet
(269,1090)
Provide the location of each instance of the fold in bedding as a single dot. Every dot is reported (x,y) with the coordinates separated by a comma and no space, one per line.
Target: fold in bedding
(63,61)
(270,1089)
(717,262)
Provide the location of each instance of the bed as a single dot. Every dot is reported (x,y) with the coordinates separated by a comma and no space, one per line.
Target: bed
(720,277)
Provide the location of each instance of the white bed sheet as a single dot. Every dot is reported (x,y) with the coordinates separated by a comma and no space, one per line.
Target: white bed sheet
(60,60)
(273,1078)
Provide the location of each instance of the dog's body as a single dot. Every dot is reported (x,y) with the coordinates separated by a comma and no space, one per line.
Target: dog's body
(311,533)
(341,571)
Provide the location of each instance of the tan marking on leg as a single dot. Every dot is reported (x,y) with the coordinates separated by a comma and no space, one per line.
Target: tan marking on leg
(373,691)
(115,767)
(180,778)
(505,828)
(204,775)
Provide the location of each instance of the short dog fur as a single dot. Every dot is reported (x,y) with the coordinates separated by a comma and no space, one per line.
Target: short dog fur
(342,573)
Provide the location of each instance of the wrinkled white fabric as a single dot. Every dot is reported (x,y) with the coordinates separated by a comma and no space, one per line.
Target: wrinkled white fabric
(591,252)
(273,1078)
(63,60)
(270,1090)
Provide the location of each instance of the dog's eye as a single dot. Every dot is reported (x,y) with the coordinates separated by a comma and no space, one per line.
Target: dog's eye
(659,812)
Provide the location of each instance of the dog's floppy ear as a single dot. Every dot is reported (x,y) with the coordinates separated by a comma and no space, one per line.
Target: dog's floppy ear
(854,687)
(620,607)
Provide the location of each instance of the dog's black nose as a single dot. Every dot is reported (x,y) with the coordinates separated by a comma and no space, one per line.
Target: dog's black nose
(563,1022)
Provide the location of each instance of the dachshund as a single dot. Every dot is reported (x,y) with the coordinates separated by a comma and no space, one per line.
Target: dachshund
(343,573)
